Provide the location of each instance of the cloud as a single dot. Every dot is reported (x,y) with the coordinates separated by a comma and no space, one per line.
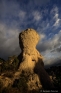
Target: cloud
(49,44)
(56,16)
(52,61)
(19,15)
(57,23)
(50,48)
(58,49)
(42,36)
(37,15)
(8,41)
(22,14)
(54,10)
(56,20)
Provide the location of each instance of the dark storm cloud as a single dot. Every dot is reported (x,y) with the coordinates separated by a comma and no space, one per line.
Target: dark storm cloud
(9,42)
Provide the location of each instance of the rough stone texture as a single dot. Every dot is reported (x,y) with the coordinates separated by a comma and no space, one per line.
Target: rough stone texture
(28,40)
(29,56)
(5,81)
(31,61)
(34,82)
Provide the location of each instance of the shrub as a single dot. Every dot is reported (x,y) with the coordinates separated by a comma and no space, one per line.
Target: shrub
(15,64)
(57,82)
(6,66)
(21,84)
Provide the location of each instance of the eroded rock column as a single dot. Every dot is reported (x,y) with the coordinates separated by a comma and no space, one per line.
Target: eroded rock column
(31,61)
(28,40)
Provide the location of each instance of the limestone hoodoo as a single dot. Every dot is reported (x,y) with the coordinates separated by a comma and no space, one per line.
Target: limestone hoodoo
(28,40)
(31,61)
(26,72)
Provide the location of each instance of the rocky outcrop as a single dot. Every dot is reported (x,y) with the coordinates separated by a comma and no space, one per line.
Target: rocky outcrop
(31,61)
(5,81)
(28,40)
(29,56)
(30,68)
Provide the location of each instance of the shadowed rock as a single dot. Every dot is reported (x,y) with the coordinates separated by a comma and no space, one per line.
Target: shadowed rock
(43,76)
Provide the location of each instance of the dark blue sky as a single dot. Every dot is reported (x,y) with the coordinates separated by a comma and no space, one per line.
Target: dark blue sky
(42,15)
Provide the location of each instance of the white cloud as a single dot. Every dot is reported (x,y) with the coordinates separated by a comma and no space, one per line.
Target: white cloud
(55,17)
(50,48)
(37,15)
(57,20)
(57,23)
(42,36)
(54,10)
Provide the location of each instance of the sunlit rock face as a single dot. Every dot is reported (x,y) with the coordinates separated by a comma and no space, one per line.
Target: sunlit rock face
(28,40)
(27,70)
(31,61)
(29,56)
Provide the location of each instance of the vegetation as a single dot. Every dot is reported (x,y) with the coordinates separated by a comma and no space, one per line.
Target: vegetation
(20,85)
(55,71)
(8,66)
(15,64)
